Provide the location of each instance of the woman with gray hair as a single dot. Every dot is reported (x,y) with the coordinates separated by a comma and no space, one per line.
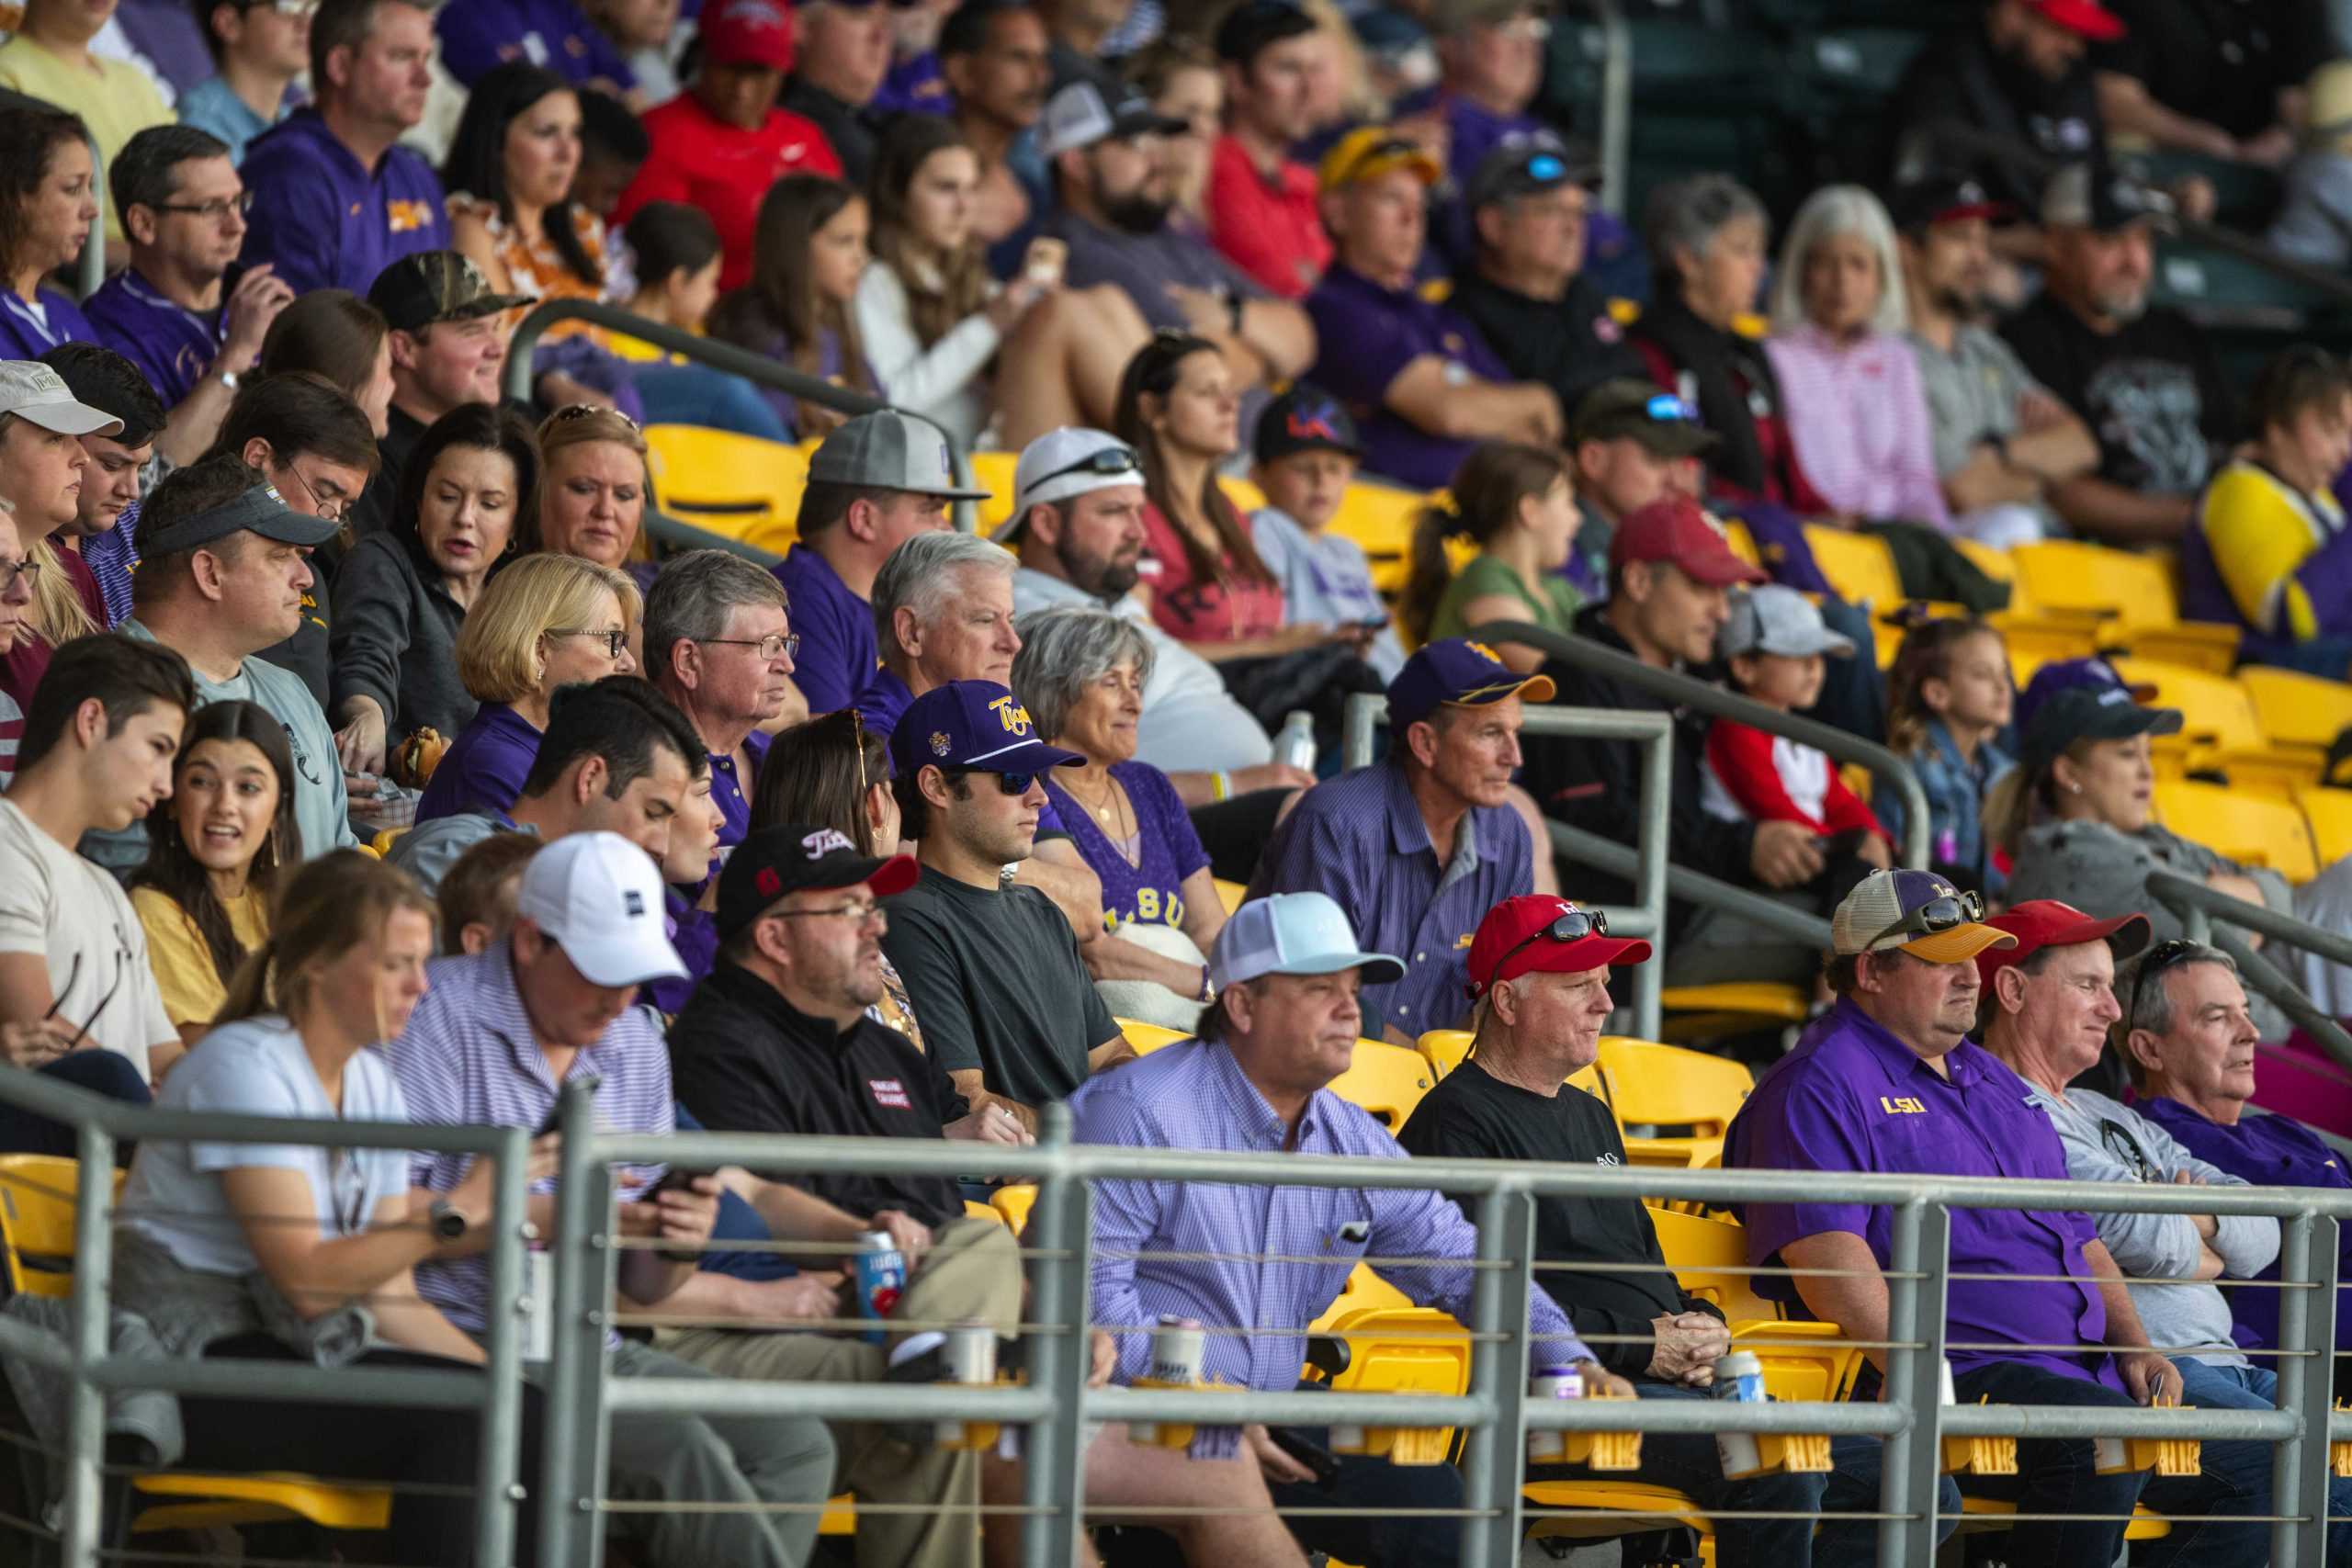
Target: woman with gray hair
(1081,674)
(1856,411)
(1706,236)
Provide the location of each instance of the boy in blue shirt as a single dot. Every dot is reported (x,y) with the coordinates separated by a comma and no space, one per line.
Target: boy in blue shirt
(1304,457)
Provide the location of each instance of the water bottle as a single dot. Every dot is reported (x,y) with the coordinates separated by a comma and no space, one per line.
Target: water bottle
(1295,745)
(1740,1377)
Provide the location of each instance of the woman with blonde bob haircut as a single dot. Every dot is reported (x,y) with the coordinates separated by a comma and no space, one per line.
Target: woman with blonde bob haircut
(219,1240)
(1856,411)
(595,481)
(545,621)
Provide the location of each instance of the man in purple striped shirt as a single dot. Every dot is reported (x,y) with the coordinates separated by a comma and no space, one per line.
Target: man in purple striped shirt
(1287,972)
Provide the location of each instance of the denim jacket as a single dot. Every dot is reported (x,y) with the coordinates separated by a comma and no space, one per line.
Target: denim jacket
(1955,790)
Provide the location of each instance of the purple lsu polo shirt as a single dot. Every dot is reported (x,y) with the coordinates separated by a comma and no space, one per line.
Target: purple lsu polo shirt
(1366,335)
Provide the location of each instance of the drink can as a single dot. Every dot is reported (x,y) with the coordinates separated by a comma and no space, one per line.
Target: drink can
(969,1356)
(881,1280)
(1739,1379)
(1549,1445)
(1176,1345)
(1947,1393)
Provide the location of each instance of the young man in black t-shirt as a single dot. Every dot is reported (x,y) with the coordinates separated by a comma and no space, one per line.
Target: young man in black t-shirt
(2146,381)
(1539,975)
(991,968)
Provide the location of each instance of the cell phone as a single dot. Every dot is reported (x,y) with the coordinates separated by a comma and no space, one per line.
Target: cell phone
(1313,1455)
(672,1181)
(1044,261)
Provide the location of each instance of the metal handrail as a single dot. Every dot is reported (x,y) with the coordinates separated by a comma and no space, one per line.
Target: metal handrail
(1689,690)
(2199,905)
(757,369)
(1642,864)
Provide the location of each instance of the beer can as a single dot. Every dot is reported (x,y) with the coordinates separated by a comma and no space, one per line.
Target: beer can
(1549,1445)
(881,1280)
(1739,1379)
(1176,1345)
(969,1356)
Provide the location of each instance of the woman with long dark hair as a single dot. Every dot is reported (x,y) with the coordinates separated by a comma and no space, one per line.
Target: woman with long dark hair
(214,855)
(47,198)
(807,252)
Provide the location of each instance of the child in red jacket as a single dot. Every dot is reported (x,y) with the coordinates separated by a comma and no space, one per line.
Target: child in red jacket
(1774,641)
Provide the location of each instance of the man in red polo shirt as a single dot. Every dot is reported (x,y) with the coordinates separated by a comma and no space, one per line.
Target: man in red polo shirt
(719,144)
(1261,208)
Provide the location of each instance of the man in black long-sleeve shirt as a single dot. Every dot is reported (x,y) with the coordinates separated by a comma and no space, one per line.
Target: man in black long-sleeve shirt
(1669,579)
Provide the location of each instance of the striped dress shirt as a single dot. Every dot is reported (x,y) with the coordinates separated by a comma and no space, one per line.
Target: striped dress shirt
(1193,1095)
(469,1056)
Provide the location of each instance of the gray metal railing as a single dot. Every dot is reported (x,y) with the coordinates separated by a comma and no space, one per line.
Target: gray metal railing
(2199,905)
(1642,864)
(1055,1406)
(757,369)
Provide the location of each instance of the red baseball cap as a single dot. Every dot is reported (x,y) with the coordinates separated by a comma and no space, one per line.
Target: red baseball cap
(2086,17)
(2045,922)
(1676,530)
(747,32)
(1516,938)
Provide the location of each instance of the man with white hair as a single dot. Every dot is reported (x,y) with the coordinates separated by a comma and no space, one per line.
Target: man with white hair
(718,643)
(942,611)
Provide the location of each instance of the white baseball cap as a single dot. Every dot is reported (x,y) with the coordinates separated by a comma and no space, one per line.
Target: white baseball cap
(1293,933)
(598,897)
(31,390)
(1065,463)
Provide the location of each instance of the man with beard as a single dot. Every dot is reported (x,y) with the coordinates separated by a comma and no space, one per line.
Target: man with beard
(1114,200)
(994,57)
(2146,381)
(2001,439)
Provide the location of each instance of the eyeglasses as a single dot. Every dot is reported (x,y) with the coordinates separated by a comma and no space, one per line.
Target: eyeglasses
(857,911)
(211,211)
(588,411)
(2126,1148)
(326,508)
(615,642)
(771,647)
(1006,784)
(27,568)
(1668,409)
(1102,460)
(2167,954)
(1940,914)
(1574,926)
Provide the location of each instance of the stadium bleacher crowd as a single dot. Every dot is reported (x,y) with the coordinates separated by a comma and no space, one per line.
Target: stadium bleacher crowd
(405,714)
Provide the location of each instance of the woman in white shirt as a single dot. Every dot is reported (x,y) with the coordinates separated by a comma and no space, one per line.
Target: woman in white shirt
(323,1229)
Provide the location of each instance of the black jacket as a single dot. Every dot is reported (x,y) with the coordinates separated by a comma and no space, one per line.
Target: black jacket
(1571,344)
(745,1060)
(395,638)
(1597,784)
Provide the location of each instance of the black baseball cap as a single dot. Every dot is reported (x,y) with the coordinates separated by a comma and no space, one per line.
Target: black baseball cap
(1641,410)
(1304,419)
(1921,204)
(794,857)
(260,510)
(1529,168)
(1254,24)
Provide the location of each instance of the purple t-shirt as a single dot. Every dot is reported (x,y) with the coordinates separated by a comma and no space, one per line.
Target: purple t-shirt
(484,767)
(914,86)
(883,701)
(172,346)
(324,219)
(1368,334)
(552,34)
(1149,893)
(24,334)
(1853,1098)
(837,657)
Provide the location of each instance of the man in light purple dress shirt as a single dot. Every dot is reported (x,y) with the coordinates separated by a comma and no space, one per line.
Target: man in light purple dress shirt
(1286,1023)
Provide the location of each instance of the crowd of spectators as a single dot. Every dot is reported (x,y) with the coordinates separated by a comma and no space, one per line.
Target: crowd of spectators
(361,755)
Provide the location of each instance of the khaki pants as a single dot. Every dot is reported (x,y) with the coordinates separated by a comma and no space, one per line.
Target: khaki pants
(972,1273)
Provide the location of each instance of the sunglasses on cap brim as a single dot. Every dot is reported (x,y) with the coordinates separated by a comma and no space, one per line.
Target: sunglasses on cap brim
(1104,460)
(1572,927)
(1938,914)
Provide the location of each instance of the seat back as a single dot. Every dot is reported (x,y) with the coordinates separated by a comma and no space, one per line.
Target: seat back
(2067,574)
(38,1198)
(1364,1291)
(1446,1049)
(1665,1086)
(1388,1080)
(2214,709)
(1379,518)
(742,486)
(2329,812)
(1709,1257)
(2258,830)
(993,471)
(1145,1038)
(1859,566)
(2295,709)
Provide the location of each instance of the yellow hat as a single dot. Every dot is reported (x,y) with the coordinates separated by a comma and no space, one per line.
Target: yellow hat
(1371,150)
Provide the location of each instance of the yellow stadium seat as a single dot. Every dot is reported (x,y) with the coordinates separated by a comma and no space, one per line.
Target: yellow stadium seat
(740,486)
(1148,1037)
(38,1197)
(2255,828)
(1245,496)
(1364,1291)
(840,1516)
(1230,894)
(1995,564)
(1985,1515)
(1380,518)
(1859,566)
(2295,709)
(1742,542)
(2219,731)
(1709,1012)
(982,1212)
(1388,1080)
(1709,1257)
(1665,1085)
(1446,1049)
(1405,1349)
(993,471)
(1012,1204)
(2132,593)
(382,842)
(2329,812)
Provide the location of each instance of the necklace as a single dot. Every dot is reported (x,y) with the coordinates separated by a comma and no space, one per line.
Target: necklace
(1112,811)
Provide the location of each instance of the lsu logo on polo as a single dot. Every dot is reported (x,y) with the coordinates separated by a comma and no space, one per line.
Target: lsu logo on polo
(1014,718)
(891,1092)
(1901,1105)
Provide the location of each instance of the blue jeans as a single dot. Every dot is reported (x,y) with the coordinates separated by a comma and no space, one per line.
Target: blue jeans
(1689,1463)
(1366,1483)
(2246,1476)
(109,1073)
(696,394)
(2054,1475)
(1857,1467)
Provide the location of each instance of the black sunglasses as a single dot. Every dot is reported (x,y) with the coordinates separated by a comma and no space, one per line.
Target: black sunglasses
(1938,914)
(2168,954)
(1102,460)
(1574,926)
(2125,1148)
(1006,784)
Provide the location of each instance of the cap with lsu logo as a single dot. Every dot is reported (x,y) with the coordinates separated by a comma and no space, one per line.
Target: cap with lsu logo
(598,897)
(971,726)
(1456,671)
(795,857)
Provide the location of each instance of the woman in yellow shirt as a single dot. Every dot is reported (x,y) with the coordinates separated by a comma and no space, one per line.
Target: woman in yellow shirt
(215,852)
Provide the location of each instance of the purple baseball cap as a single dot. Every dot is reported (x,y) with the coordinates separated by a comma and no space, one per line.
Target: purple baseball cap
(976,726)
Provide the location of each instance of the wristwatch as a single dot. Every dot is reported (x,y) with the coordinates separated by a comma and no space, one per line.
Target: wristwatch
(446,1220)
